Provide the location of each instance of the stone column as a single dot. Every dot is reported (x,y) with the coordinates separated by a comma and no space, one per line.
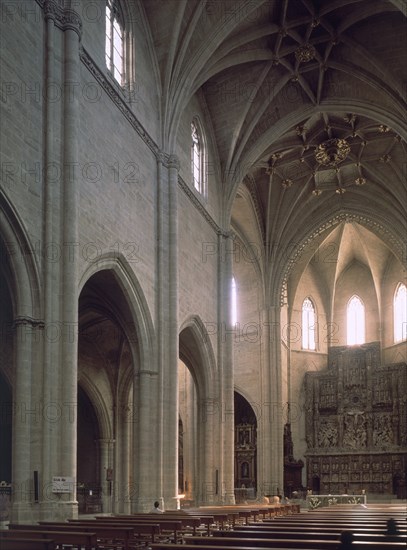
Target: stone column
(191,446)
(26,416)
(162,232)
(69,291)
(264,442)
(122,459)
(107,474)
(170,366)
(144,450)
(225,358)
(51,340)
(209,491)
(276,404)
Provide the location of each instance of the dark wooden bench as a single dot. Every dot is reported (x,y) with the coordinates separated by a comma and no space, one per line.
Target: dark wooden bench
(23,543)
(111,530)
(345,524)
(246,545)
(332,534)
(171,529)
(105,534)
(193,521)
(78,539)
(188,522)
(304,544)
(228,516)
(307,529)
(162,546)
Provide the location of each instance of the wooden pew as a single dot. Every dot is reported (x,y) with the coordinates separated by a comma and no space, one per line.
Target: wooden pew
(232,514)
(226,518)
(188,522)
(333,534)
(78,539)
(329,517)
(346,524)
(195,520)
(23,543)
(303,544)
(168,527)
(110,530)
(309,528)
(105,533)
(210,544)
(163,546)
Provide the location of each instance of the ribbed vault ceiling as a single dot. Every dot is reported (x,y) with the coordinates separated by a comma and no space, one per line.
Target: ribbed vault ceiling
(270,106)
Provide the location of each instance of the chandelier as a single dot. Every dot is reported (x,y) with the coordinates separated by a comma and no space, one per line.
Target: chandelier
(332,152)
(305,53)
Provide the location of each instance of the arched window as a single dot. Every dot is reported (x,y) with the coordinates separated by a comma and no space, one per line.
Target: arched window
(355,321)
(400,313)
(233,300)
(114,44)
(198,154)
(308,324)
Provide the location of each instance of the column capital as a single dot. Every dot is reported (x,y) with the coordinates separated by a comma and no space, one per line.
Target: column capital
(227,234)
(173,162)
(105,443)
(162,157)
(64,18)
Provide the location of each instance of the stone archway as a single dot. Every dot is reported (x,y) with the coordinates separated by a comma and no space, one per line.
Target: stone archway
(195,381)
(107,352)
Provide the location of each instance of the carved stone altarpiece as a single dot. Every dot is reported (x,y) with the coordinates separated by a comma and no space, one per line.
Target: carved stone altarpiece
(356,423)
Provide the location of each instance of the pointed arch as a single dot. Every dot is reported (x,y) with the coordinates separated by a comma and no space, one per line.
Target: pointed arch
(18,257)
(203,372)
(285,262)
(99,404)
(145,355)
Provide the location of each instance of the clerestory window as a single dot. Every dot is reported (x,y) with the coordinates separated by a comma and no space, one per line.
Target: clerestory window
(400,313)
(233,301)
(355,321)
(114,42)
(198,157)
(308,324)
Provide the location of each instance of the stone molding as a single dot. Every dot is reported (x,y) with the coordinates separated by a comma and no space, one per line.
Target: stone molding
(23,320)
(143,372)
(118,100)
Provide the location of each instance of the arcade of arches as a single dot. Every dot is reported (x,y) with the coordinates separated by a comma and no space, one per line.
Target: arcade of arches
(151,154)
